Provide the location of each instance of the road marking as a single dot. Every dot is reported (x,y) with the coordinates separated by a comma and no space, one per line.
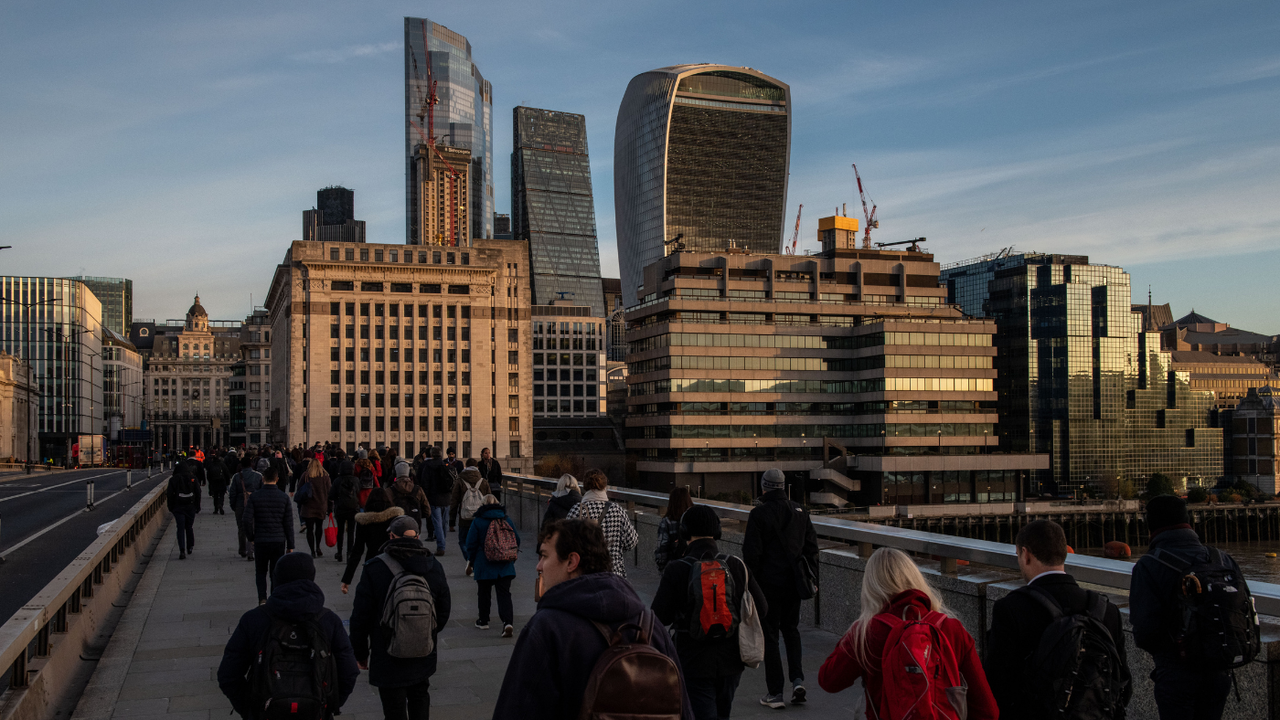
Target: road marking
(4,554)
(53,487)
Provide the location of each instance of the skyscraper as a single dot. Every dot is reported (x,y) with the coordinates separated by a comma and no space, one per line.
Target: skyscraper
(463,118)
(334,217)
(551,206)
(116,295)
(700,151)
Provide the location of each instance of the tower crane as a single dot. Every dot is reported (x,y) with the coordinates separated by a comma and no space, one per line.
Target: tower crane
(426,116)
(795,237)
(871,221)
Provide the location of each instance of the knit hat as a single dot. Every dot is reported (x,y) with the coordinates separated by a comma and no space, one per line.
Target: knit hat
(773,479)
(1165,511)
(262,465)
(294,566)
(701,521)
(402,469)
(362,454)
(402,525)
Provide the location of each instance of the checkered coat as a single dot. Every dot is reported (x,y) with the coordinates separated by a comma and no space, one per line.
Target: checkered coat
(619,533)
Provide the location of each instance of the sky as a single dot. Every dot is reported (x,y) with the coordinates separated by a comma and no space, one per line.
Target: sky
(177,144)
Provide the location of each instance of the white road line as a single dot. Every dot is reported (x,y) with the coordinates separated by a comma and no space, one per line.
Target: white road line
(53,487)
(4,554)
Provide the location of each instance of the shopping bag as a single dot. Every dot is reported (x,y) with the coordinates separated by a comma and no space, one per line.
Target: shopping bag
(331,533)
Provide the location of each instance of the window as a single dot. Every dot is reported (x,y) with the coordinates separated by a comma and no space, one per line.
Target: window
(335,420)
(515,448)
(364,423)
(341,285)
(335,399)
(513,335)
(513,401)
(513,357)
(377,256)
(333,255)
(364,257)
(351,423)
(513,424)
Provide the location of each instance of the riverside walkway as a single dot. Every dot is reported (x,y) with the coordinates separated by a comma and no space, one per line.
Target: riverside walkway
(162,660)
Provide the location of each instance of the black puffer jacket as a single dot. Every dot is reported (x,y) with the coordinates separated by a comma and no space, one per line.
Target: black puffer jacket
(216,473)
(778,533)
(558,508)
(268,516)
(346,489)
(184,489)
(371,534)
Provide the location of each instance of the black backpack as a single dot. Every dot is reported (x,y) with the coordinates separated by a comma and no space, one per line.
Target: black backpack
(1076,672)
(1218,627)
(295,674)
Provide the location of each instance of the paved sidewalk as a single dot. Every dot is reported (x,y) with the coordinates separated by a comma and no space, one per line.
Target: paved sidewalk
(181,623)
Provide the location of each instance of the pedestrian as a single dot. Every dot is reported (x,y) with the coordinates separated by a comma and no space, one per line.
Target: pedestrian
(437,480)
(183,498)
(896,600)
(491,471)
(1023,625)
(671,546)
(371,531)
(492,573)
(376,461)
(553,659)
(346,503)
(409,497)
(243,484)
(781,550)
(268,520)
(595,505)
(364,473)
(567,494)
(468,496)
(389,462)
(706,623)
(1178,577)
(216,475)
(296,606)
(400,654)
(312,499)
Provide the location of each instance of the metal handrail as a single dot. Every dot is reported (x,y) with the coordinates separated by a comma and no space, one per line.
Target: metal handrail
(1096,570)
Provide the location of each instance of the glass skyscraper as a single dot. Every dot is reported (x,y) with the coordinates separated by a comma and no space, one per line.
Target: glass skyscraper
(552,208)
(463,115)
(701,151)
(116,295)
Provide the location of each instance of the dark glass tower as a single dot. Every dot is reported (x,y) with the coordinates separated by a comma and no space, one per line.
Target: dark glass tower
(552,208)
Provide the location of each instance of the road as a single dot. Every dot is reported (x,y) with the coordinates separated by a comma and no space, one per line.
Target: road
(30,504)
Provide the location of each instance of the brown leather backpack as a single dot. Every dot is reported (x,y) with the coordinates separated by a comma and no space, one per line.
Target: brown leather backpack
(632,679)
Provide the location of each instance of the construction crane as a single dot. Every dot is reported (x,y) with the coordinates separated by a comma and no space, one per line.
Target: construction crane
(915,244)
(426,116)
(795,237)
(870,216)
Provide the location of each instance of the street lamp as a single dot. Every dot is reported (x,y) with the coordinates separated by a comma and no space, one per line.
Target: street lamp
(30,363)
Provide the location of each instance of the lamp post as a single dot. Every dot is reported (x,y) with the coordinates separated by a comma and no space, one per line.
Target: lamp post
(31,366)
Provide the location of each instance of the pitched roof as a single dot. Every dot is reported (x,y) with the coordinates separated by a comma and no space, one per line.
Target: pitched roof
(1194,318)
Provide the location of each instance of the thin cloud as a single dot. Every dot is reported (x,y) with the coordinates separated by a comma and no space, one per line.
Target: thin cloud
(351,52)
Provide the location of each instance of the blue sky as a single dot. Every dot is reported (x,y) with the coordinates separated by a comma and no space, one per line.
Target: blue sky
(178,143)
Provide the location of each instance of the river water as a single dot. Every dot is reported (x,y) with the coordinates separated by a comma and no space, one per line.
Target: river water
(1251,556)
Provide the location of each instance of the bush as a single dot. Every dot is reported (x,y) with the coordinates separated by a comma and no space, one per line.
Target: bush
(1197,495)
(1244,489)
(553,466)
(1231,498)
(1159,484)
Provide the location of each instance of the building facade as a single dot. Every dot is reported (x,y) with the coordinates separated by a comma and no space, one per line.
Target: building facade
(616,312)
(429,351)
(552,207)
(701,152)
(333,219)
(255,376)
(122,385)
(463,119)
(1195,332)
(116,296)
(569,360)
(18,420)
(1254,439)
(741,362)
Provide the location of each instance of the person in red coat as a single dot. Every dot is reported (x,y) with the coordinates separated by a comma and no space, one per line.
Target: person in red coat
(891,586)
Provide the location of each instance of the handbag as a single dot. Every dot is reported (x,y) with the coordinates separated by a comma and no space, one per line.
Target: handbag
(750,630)
(806,579)
(331,533)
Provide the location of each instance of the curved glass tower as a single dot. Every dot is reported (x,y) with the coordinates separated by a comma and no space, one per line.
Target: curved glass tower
(701,151)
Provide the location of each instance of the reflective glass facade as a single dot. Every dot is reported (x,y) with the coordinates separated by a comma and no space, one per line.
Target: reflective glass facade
(701,151)
(552,208)
(116,296)
(463,116)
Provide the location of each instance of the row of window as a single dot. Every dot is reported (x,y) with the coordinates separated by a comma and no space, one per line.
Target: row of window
(396,310)
(880,407)
(436,355)
(395,400)
(814,342)
(395,423)
(380,255)
(392,332)
(568,344)
(675,385)
(425,288)
(565,390)
(564,375)
(566,406)
(782,430)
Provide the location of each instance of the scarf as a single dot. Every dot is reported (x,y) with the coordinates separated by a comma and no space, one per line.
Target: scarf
(597,495)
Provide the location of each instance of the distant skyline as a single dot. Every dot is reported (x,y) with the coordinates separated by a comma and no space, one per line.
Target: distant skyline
(177,145)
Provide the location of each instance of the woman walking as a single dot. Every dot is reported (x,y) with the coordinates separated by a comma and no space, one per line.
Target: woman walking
(566,495)
(491,574)
(312,499)
(618,530)
(346,503)
(670,545)
(371,531)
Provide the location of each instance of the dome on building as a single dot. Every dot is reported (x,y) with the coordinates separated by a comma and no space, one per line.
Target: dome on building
(197,318)
(197,310)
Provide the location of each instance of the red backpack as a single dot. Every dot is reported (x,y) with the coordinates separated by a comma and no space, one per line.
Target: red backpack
(712,612)
(500,544)
(921,675)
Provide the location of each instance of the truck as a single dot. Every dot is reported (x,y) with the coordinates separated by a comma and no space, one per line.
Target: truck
(88,451)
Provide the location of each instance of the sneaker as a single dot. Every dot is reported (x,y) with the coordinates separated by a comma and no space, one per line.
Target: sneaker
(773,701)
(261,603)
(507,630)
(338,557)
(482,625)
(319,553)
(468,569)
(798,695)
(182,556)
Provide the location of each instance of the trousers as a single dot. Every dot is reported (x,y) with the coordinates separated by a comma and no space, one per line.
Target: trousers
(503,586)
(412,702)
(264,564)
(315,534)
(346,528)
(1184,693)
(440,521)
(464,527)
(711,698)
(784,617)
(185,517)
(242,541)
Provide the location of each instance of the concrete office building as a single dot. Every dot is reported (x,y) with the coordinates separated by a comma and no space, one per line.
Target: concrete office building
(502,227)
(333,218)
(405,347)
(1080,379)
(122,385)
(1254,439)
(18,422)
(740,362)
(552,207)
(116,296)
(617,327)
(463,120)
(570,386)
(701,152)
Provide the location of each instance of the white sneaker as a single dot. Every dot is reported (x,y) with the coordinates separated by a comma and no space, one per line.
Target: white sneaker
(773,701)
(482,625)
(507,630)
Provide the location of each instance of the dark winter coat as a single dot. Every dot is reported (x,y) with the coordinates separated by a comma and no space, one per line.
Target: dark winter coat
(559,507)
(317,508)
(183,492)
(435,480)
(268,517)
(371,535)
(413,501)
(244,483)
(482,567)
(346,491)
(230,465)
(555,653)
(300,598)
(216,474)
(778,533)
(707,658)
(491,471)
(197,469)
(370,639)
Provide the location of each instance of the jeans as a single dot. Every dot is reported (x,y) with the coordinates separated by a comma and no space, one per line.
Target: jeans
(412,702)
(503,586)
(784,616)
(440,521)
(464,527)
(185,518)
(315,534)
(241,541)
(346,527)
(711,698)
(265,564)
(1184,693)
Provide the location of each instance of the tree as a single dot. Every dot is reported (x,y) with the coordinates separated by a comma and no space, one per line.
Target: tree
(1159,484)
(1245,489)
(1197,495)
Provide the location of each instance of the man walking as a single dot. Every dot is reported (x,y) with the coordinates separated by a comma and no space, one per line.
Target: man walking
(216,474)
(491,471)
(1020,620)
(243,484)
(268,520)
(183,498)
(780,547)
(437,481)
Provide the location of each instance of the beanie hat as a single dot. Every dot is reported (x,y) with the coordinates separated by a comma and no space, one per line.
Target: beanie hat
(402,469)
(362,454)
(1165,511)
(701,521)
(262,465)
(773,479)
(294,566)
(402,525)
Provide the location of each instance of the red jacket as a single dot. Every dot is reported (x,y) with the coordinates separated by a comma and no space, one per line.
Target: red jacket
(841,668)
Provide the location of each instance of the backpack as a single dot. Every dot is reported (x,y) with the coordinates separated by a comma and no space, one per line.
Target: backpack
(632,679)
(347,495)
(921,675)
(1219,628)
(409,503)
(304,494)
(295,673)
(363,492)
(1075,671)
(712,612)
(472,499)
(500,544)
(409,612)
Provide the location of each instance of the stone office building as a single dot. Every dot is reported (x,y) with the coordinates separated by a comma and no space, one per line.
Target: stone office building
(407,347)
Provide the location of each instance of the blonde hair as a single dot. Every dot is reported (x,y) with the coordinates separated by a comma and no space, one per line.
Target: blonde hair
(566,484)
(889,571)
(315,469)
